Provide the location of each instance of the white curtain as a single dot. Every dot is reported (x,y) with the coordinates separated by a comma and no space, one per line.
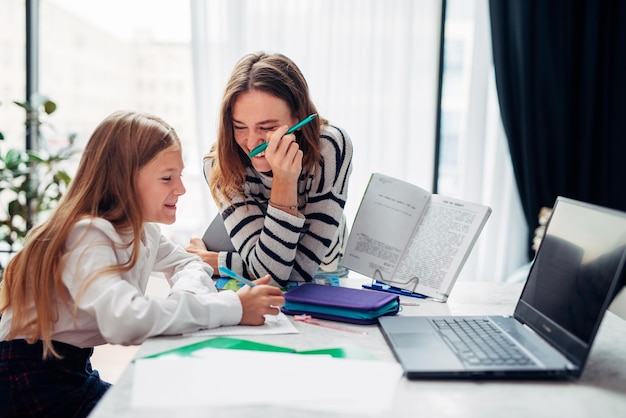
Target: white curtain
(482,169)
(372,68)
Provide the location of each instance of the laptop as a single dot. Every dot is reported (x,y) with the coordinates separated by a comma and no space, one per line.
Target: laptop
(575,275)
(216,237)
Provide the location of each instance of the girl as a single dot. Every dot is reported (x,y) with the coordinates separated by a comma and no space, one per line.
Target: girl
(282,208)
(80,279)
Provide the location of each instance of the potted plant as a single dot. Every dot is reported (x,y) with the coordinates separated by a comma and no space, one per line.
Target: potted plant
(31,181)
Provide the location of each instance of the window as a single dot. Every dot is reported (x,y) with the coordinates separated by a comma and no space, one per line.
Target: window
(371,66)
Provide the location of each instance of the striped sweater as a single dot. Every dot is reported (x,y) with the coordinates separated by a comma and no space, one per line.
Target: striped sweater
(288,247)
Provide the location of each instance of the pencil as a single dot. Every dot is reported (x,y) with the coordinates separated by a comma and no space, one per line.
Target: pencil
(233,275)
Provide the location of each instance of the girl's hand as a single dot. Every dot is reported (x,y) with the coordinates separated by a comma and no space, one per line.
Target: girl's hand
(260,300)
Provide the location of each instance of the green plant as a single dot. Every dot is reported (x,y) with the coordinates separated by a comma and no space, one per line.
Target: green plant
(31,181)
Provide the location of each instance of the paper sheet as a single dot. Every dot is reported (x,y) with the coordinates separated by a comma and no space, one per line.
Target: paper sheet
(274,324)
(207,380)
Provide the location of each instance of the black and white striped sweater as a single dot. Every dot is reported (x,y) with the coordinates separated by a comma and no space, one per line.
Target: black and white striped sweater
(291,248)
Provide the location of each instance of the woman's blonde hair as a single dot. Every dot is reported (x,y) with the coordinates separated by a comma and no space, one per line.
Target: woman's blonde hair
(104,187)
(279,76)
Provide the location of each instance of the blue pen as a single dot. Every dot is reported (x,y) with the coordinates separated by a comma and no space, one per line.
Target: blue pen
(258,149)
(383,287)
(233,275)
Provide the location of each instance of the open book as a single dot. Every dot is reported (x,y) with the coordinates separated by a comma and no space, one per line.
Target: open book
(412,239)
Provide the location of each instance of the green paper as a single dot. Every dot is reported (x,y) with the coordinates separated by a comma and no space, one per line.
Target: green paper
(239,344)
(353,353)
(222,342)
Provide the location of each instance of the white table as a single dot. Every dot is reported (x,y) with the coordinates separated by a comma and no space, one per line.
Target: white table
(600,392)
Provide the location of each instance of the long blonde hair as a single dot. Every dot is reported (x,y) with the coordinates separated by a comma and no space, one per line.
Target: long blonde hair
(279,76)
(103,187)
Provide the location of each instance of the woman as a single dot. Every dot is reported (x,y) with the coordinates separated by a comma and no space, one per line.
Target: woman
(283,208)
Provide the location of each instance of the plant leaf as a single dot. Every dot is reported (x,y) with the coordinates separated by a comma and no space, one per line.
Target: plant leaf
(49,106)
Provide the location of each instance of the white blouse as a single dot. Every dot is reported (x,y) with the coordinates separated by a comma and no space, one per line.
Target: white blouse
(115,309)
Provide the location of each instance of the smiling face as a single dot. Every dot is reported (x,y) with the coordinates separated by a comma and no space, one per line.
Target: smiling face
(159,185)
(255,113)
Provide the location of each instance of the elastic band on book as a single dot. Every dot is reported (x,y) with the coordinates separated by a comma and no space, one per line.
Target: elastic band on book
(307,319)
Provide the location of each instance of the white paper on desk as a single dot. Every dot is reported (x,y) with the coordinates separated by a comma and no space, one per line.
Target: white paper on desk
(298,381)
(274,324)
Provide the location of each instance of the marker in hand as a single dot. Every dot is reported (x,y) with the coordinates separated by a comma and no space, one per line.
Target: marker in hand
(233,275)
(239,278)
(258,149)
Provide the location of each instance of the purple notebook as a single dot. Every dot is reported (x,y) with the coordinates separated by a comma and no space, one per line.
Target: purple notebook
(344,304)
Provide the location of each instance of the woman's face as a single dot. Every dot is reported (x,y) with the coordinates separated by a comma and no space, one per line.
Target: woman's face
(255,113)
(159,185)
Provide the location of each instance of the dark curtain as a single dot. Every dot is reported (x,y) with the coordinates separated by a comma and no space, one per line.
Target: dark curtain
(560,69)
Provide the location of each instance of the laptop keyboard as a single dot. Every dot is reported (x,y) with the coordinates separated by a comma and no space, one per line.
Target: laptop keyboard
(478,342)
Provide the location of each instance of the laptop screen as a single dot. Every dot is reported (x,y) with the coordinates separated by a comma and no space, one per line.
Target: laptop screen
(574,275)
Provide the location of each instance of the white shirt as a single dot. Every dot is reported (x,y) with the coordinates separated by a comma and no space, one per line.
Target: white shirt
(114,308)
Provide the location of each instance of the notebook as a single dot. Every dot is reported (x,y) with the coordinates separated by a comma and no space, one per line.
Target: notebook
(572,281)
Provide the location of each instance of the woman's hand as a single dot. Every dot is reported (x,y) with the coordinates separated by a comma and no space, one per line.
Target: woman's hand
(196,246)
(260,300)
(284,155)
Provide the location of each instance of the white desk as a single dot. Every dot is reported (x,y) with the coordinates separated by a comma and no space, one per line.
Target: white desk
(600,392)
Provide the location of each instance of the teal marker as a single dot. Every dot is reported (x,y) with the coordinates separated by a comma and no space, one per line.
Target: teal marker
(233,275)
(294,128)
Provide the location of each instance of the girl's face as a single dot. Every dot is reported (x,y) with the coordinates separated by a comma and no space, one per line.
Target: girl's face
(255,113)
(159,184)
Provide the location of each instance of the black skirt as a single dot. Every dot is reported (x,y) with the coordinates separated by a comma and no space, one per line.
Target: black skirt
(33,387)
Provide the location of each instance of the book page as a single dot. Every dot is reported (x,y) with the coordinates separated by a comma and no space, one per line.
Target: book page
(442,242)
(389,212)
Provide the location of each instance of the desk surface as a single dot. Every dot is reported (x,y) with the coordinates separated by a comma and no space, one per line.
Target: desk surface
(601,390)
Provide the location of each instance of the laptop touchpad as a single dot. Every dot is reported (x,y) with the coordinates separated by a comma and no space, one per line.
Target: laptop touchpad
(423,351)
(411,339)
